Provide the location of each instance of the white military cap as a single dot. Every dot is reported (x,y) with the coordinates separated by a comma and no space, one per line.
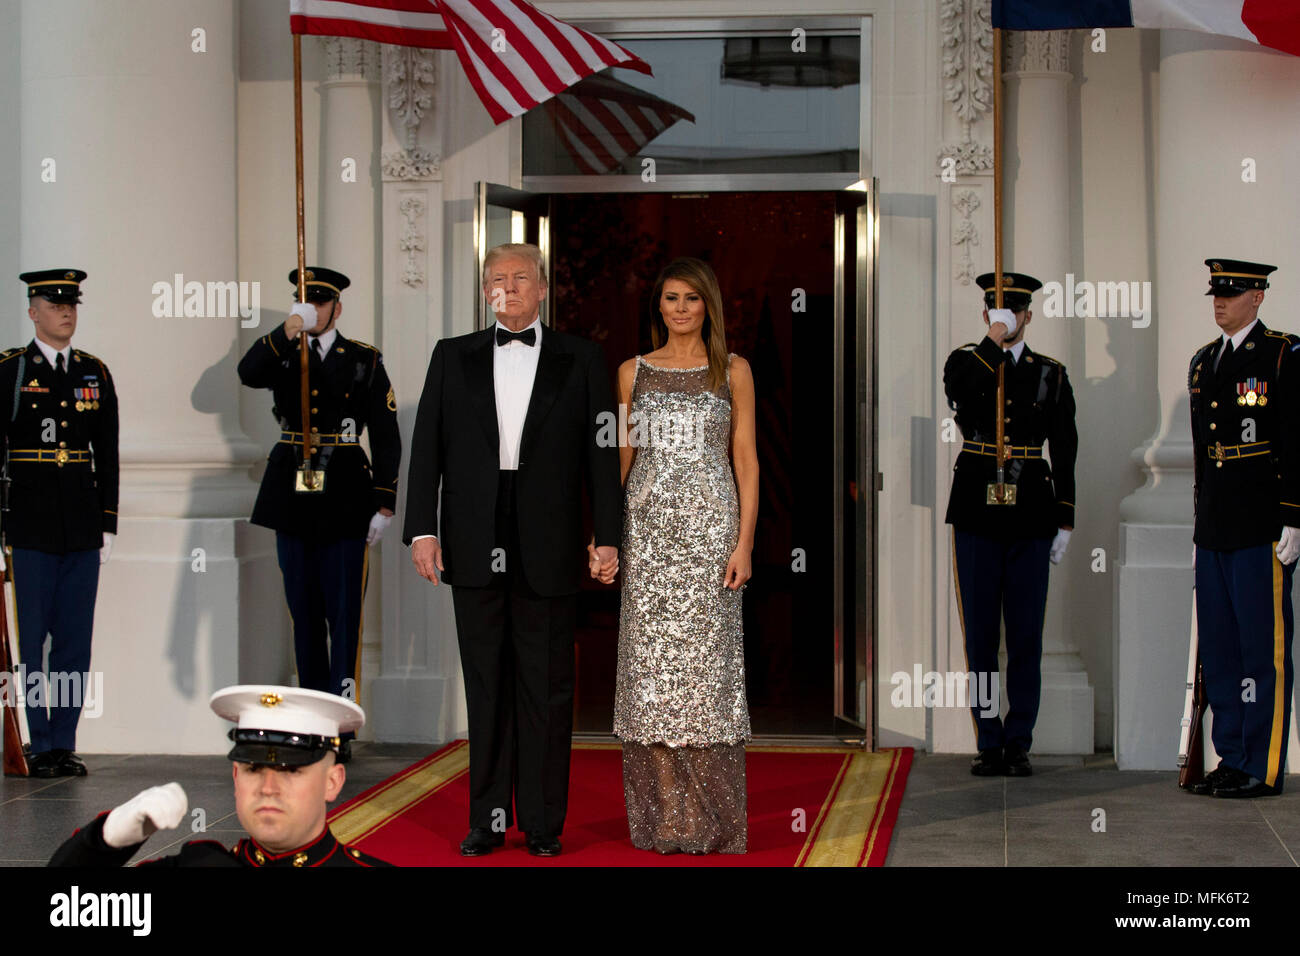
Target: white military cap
(284,726)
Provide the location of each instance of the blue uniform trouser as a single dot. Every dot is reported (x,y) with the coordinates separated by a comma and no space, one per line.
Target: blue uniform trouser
(1243,613)
(324,584)
(1001,579)
(54,594)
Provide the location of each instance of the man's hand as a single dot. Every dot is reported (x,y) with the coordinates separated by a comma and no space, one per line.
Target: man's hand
(602,562)
(739,569)
(106,551)
(1289,547)
(378,525)
(1002,324)
(426,555)
(1059,544)
(158,808)
(299,315)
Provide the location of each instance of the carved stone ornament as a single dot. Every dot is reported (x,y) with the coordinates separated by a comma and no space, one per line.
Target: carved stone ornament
(417,164)
(409,78)
(964,234)
(1037,51)
(966,40)
(411,206)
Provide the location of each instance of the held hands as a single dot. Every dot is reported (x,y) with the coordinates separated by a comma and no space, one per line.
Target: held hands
(1059,544)
(739,569)
(1288,549)
(602,562)
(158,808)
(106,551)
(378,525)
(301,313)
(1001,317)
(426,555)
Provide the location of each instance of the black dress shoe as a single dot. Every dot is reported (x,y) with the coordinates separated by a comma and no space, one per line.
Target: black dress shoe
(542,845)
(1243,786)
(70,765)
(42,764)
(1017,762)
(481,842)
(988,763)
(1206,784)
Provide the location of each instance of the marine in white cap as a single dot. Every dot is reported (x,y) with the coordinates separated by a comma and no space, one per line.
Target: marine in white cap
(288,765)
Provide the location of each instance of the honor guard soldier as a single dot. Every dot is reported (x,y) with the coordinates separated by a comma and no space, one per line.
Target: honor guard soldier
(288,765)
(1008,523)
(1245,400)
(60,415)
(325,520)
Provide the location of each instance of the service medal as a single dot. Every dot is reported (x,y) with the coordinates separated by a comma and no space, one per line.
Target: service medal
(81,406)
(1263,393)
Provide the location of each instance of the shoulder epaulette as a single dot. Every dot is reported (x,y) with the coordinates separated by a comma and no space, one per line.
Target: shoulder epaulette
(1286,337)
(361,857)
(1048,359)
(364,345)
(94,358)
(7,354)
(970,346)
(1203,349)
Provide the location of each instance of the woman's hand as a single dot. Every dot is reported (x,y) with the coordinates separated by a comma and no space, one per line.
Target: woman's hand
(739,569)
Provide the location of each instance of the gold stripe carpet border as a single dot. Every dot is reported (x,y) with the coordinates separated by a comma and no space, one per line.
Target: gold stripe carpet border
(843,834)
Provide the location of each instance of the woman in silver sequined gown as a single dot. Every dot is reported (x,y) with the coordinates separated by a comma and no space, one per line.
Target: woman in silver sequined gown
(680,706)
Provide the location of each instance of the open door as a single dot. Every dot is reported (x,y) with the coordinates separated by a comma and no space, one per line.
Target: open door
(797,266)
(501,215)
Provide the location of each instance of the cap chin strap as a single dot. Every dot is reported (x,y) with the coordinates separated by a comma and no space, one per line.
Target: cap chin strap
(334,307)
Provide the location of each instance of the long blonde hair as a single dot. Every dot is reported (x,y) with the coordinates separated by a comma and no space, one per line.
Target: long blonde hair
(696,274)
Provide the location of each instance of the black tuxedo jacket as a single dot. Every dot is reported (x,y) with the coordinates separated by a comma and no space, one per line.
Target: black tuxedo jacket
(1245,446)
(567,440)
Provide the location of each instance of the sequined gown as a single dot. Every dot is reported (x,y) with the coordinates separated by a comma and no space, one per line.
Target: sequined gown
(679,704)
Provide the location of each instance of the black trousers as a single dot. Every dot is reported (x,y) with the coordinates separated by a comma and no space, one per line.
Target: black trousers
(516,652)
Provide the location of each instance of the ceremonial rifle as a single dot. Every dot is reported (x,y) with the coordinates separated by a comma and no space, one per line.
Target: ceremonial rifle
(14,755)
(1191,749)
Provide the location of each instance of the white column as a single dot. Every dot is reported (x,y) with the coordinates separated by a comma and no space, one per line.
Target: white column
(1204,208)
(350,196)
(416,695)
(1036,163)
(128,171)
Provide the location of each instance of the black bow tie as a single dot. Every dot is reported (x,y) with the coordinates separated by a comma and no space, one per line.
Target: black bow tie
(527,336)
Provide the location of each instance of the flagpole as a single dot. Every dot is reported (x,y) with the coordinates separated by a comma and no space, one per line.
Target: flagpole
(999,428)
(309,477)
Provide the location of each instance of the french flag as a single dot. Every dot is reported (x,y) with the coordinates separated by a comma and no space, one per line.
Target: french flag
(1271,23)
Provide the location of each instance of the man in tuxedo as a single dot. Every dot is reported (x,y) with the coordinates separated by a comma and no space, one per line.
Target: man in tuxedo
(508,425)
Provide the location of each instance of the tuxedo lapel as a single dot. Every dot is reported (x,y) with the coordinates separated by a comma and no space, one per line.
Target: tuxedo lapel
(480,381)
(553,366)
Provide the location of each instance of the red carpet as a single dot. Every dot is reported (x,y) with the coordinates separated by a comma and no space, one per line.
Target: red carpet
(808,806)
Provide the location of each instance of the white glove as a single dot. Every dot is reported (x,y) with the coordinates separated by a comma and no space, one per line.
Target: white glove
(158,808)
(305,311)
(378,525)
(3,566)
(1288,549)
(1059,544)
(1006,317)
(107,550)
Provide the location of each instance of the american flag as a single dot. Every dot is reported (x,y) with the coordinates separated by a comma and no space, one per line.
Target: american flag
(602,121)
(515,56)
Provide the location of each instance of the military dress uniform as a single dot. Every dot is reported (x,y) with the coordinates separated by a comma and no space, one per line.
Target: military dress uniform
(321,536)
(277,727)
(1247,490)
(61,438)
(1001,552)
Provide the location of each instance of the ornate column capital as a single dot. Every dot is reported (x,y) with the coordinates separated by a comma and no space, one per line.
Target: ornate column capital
(1036,52)
(347,58)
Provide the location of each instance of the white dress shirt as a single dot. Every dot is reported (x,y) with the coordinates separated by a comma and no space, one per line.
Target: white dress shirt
(514,367)
(50,354)
(1237,339)
(326,339)
(1016,350)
